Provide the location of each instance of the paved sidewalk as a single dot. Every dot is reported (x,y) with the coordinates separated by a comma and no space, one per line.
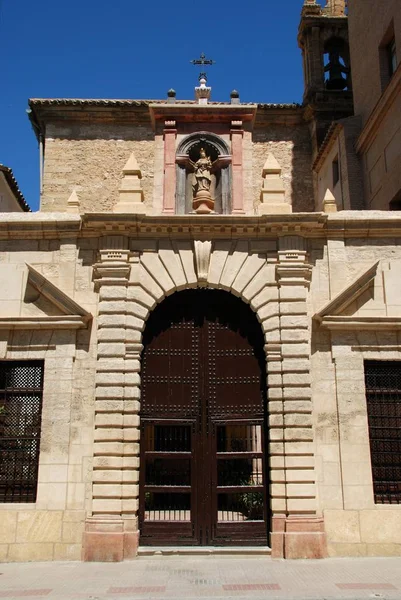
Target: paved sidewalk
(206,577)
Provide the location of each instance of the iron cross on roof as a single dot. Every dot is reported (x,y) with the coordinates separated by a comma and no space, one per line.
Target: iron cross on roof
(203,61)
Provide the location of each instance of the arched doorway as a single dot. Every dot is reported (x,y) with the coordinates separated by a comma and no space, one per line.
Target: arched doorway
(203,470)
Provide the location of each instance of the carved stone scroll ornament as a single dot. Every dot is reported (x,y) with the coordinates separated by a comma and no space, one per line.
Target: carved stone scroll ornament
(203,253)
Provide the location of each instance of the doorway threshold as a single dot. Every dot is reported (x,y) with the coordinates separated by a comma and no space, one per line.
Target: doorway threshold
(251,551)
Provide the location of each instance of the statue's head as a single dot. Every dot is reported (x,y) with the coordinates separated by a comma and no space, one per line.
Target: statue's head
(202,153)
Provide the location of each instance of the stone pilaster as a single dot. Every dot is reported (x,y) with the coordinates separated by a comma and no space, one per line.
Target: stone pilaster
(237,135)
(297,530)
(170,134)
(111,531)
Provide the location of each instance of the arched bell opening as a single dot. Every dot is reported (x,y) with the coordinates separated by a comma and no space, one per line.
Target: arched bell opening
(203,478)
(188,153)
(337,71)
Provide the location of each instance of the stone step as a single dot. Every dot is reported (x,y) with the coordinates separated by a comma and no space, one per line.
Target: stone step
(240,551)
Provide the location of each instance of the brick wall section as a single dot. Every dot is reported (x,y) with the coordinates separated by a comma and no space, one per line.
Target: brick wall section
(90,160)
(291,146)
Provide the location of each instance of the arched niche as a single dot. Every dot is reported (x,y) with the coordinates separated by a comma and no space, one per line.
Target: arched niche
(336,60)
(188,152)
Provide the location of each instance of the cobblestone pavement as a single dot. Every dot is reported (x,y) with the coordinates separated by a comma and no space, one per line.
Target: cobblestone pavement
(205,577)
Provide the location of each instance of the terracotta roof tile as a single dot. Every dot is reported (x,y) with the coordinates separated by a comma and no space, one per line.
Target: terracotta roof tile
(13,185)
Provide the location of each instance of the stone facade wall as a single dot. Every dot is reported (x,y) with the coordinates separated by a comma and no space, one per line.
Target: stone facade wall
(381,160)
(354,524)
(319,454)
(370,20)
(89,159)
(291,146)
(52,528)
(377,98)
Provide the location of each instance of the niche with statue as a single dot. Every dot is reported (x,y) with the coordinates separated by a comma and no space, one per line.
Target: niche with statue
(203,175)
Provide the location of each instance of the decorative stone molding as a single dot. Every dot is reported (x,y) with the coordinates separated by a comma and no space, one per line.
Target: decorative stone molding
(130,192)
(237,135)
(202,259)
(329,202)
(333,315)
(71,314)
(272,195)
(113,267)
(202,92)
(277,294)
(347,296)
(170,134)
(73,204)
(292,268)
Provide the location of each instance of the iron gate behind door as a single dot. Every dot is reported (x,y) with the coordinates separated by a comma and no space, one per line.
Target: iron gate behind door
(203,436)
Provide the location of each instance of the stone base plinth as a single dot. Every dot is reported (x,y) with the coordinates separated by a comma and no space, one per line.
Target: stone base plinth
(298,537)
(109,539)
(203,203)
(129,208)
(282,208)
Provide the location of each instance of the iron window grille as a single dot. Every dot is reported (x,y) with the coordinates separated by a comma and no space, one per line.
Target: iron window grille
(21,391)
(383,395)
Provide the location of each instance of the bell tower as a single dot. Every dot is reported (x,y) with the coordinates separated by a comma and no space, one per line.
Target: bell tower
(323,38)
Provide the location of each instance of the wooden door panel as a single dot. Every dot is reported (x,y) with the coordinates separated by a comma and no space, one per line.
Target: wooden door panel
(203,481)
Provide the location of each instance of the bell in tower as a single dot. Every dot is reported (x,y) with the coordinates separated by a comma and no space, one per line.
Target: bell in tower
(323,38)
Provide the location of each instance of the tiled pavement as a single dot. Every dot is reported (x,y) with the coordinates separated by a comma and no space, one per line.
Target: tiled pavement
(206,577)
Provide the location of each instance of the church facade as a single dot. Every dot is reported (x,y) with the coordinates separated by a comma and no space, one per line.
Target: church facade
(200,335)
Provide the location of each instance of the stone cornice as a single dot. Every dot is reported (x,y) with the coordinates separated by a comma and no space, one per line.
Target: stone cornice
(205,226)
(344,224)
(39,225)
(57,297)
(364,224)
(355,323)
(379,112)
(334,308)
(202,113)
(45,322)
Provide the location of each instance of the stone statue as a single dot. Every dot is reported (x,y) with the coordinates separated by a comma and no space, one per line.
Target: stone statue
(203,202)
(202,178)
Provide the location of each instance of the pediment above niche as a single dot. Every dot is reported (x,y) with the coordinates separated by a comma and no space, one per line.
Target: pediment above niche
(36,303)
(371,301)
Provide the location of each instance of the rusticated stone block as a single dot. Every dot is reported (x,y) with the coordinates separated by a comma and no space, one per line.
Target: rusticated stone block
(103,547)
(30,552)
(298,537)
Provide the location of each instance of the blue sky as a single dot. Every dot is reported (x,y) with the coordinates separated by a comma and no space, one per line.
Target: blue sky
(135,49)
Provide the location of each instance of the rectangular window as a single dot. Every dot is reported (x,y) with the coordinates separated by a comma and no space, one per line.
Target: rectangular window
(387,56)
(392,57)
(21,390)
(383,396)
(336,171)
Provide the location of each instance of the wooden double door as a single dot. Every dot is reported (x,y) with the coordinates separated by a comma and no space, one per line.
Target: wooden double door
(203,471)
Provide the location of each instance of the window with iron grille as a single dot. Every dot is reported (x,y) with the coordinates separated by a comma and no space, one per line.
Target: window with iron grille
(383,396)
(21,388)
